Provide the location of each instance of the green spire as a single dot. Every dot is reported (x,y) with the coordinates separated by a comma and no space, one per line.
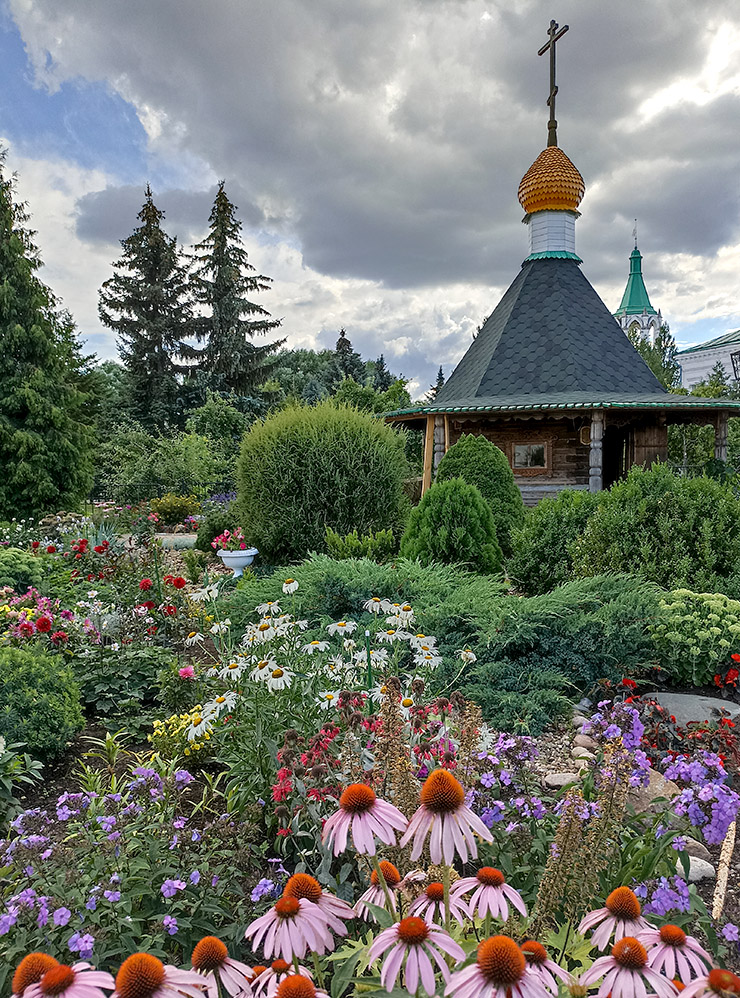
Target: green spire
(635,300)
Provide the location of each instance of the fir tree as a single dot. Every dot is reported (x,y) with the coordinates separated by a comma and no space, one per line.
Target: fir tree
(435,388)
(147,303)
(349,361)
(45,439)
(660,356)
(223,279)
(382,377)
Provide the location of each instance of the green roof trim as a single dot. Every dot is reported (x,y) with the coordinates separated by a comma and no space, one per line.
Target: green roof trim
(726,340)
(635,300)
(577,402)
(554,255)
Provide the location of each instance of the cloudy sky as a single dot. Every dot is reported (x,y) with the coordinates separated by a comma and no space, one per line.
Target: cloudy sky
(374,149)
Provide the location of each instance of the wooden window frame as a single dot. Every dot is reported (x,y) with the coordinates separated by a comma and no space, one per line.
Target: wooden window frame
(531,472)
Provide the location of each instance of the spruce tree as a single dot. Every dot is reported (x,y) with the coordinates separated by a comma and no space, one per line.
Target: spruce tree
(147,303)
(382,377)
(45,439)
(434,389)
(224,281)
(349,361)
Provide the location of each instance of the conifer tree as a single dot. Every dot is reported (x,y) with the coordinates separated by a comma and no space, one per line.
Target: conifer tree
(349,361)
(382,377)
(435,388)
(45,439)
(224,282)
(147,303)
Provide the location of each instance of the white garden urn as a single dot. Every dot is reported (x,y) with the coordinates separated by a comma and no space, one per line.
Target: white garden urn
(238,560)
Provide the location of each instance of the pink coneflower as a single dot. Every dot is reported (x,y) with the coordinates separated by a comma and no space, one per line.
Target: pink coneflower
(621,916)
(717,982)
(142,975)
(500,971)
(77,981)
(453,826)
(626,972)
(211,959)
(366,816)
(375,893)
(419,943)
(541,966)
(301,885)
(290,929)
(671,951)
(490,893)
(430,905)
(30,970)
(266,984)
(298,987)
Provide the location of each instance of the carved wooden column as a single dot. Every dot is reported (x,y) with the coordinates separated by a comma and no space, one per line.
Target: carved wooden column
(596,456)
(440,445)
(426,480)
(720,437)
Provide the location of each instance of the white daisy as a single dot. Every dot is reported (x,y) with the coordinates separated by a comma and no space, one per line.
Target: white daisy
(262,670)
(200,595)
(427,659)
(224,701)
(290,586)
(377,605)
(233,670)
(220,627)
(314,646)
(342,627)
(271,609)
(422,642)
(391,635)
(264,631)
(467,655)
(349,644)
(279,679)
(198,726)
(328,699)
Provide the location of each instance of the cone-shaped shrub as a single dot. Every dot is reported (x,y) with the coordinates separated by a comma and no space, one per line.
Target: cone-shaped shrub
(481,463)
(308,468)
(453,523)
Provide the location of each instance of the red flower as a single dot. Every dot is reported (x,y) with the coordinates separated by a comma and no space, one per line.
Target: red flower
(169,609)
(91,576)
(732,676)
(735,657)
(98,549)
(725,722)
(145,584)
(35,545)
(630,683)
(59,637)
(51,549)
(43,625)
(149,604)
(169,579)
(283,832)
(26,628)
(718,680)
(179,582)
(151,630)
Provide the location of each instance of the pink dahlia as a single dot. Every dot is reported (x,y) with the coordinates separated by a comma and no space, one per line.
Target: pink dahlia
(430,905)
(672,952)
(500,971)
(142,975)
(301,885)
(266,984)
(78,981)
(291,928)
(418,943)
(443,813)
(211,959)
(541,966)
(490,894)
(620,917)
(626,973)
(366,816)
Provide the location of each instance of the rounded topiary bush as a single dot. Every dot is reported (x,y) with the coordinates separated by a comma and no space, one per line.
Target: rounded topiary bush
(453,523)
(480,462)
(308,468)
(678,532)
(39,701)
(19,569)
(541,548)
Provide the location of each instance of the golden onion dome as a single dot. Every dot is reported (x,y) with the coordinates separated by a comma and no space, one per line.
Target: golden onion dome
(551,182)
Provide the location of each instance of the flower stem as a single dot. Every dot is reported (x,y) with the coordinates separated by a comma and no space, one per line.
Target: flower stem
(317,968)
(487,926)
(446,886)
(386,889)
(295,964)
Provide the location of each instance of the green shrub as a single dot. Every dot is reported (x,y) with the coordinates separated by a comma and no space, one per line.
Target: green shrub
(479,462)
(678,532)
(523,700)
(453,523)
(39,701)
(122,685)
(172,509)
(215,521)
(380,546)
(695,634)
(587,630)
(541,548)
(19,569)
(304,469)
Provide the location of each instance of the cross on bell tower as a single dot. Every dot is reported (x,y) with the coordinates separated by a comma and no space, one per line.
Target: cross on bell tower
(555,35)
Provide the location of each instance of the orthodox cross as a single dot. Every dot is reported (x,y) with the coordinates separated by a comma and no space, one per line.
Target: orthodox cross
(555,35)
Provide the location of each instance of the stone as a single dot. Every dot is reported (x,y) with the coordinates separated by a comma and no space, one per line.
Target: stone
(643,798)
(699,869)
(585,741)
(556,781)
(578,721)
(686,707)
(581,753)
(697,849)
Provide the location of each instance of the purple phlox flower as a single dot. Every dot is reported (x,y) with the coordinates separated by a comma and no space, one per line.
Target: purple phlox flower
(82,944)
(7,921)
(113,797)
(679,843)
(183,777)
(173,841)
(214,880)
(265,886)
(170,887)
(170,924)
(730,932)
(279,868)
(91,904)
(179,822)
(115,878)
(107,822)
(112,895)
(505,777)
(195,837)
(194,877)
(488,780)
(26,898)
(113,837)
(62,916)
(43,916)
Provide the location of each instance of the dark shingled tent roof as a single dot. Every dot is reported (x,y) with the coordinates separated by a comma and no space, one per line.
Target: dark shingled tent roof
(549,335)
